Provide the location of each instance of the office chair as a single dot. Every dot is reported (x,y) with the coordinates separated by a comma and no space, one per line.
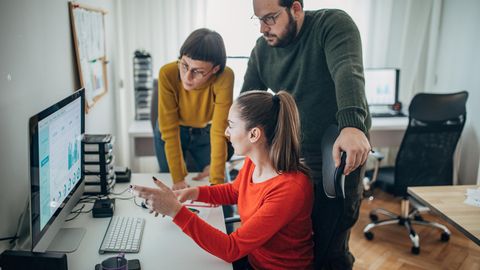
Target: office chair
(333,178)
(154,105)
(425,158)
(370,176)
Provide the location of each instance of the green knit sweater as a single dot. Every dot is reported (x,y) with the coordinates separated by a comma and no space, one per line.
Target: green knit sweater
(322,68)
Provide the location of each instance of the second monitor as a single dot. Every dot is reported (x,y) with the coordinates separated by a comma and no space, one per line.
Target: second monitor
(381,86)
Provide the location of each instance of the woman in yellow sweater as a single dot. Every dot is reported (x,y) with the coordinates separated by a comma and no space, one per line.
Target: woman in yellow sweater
(194,96)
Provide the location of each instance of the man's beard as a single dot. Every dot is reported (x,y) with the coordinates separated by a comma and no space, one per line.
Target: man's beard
(289,34)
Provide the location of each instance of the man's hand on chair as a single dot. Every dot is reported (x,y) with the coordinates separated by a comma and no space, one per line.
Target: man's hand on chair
(354,142)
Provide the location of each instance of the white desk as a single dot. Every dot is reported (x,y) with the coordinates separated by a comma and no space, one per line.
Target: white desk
(385,132)
(164,245)
(140,135)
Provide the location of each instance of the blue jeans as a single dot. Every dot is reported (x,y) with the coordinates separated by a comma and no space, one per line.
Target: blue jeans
(195,148)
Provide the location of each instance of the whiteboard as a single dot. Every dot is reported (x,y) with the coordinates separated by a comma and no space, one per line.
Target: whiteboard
(88,27)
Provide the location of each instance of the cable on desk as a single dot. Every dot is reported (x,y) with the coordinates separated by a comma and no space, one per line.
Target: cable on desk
(92,198)
(120,193)
(77,212)
(19,222)
(135,202)
(67,220)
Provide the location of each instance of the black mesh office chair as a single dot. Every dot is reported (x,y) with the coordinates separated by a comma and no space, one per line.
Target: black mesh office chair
(425,158)
(154,105)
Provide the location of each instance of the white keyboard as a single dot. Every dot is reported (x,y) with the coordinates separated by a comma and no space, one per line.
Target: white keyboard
(124,234)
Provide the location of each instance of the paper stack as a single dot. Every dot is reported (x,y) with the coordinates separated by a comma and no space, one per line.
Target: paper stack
(473,197)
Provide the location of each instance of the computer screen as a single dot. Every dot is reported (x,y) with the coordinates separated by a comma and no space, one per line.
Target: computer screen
(56,163)
(381,86)
(239,66)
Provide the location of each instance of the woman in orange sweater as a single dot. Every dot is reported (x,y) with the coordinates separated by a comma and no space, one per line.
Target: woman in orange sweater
(273,193)
(194,95)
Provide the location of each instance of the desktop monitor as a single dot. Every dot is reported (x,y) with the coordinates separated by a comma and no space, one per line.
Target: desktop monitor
(381,86)
(56,172)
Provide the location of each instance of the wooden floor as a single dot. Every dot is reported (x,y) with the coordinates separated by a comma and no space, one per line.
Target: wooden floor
(390,248)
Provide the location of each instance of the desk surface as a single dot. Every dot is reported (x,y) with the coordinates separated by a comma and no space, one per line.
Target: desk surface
(447,201)
(164,245)
(389,123)
(141,128)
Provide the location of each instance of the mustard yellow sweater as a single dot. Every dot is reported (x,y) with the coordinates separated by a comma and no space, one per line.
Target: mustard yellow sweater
(194,108)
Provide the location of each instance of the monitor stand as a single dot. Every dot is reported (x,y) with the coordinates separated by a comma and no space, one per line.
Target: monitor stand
(67,240)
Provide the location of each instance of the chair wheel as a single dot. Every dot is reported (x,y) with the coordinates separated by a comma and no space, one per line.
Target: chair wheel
(373,217)
(367,193)
(368,235)
(418,218)
(445,237)
(233,174)
(416,250)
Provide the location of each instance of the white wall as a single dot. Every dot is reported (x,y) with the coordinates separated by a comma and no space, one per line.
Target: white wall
(458,69)
(37,69)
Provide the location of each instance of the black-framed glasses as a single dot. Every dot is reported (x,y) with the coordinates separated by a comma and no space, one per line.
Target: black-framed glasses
(196,74)
(268,19)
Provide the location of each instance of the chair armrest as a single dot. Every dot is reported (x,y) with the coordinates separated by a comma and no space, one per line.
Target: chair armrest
(233,219)
(378,157)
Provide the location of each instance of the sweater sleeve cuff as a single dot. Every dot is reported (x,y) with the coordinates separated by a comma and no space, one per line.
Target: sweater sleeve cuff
(183,217)
(203,193)
(352,118)
(178,174)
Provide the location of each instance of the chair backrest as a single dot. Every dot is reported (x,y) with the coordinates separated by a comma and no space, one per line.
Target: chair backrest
(332,177)
(154,104)
(425,157)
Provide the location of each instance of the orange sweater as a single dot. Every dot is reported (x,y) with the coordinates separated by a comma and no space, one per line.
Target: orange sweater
(276,231)
(195,108)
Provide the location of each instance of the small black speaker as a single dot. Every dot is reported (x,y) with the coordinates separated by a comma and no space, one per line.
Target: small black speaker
(27,260)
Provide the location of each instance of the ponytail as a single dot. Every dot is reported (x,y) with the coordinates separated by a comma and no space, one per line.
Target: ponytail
(278,116)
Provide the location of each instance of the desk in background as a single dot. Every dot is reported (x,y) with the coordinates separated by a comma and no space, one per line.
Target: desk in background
(140,135)
(385,132)
(164,245)
(447,201)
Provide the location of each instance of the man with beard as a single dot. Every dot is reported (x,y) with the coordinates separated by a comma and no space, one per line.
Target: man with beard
(317,57)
